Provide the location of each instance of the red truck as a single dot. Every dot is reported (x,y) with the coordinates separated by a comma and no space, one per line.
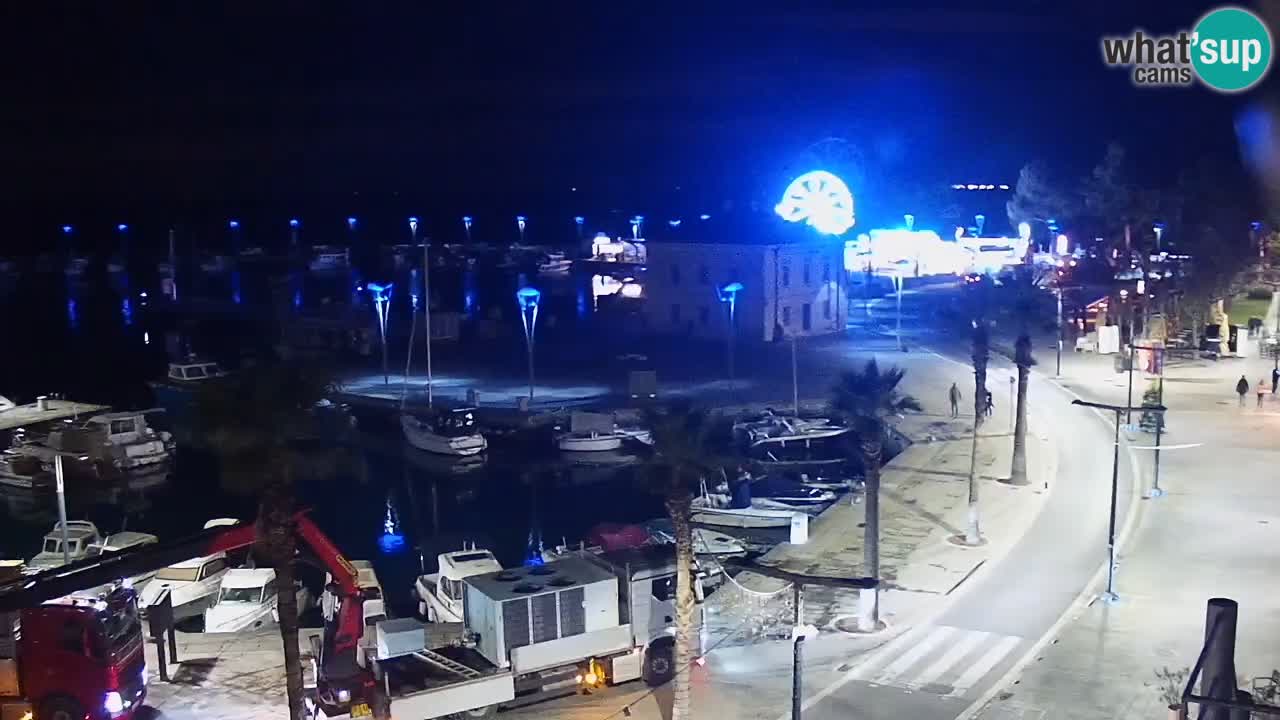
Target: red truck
(66,655)
(73,658)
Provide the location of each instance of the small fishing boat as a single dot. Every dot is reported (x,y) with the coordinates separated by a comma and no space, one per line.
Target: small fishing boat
(24,471)
(736,510)
(705,541)
(80,535)
(783,493)
(104,445)
(451,432)
(597,432)
(554,263)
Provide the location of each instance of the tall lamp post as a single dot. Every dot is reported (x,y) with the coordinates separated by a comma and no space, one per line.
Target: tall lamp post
(426,297)
(729,296)
(528,298)
(382,305)
(521,221)
(1110,596)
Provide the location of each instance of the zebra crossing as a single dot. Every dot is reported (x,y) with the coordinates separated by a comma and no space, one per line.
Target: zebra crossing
(938,659)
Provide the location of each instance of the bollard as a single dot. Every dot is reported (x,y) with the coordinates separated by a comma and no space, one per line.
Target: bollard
(1218,678)
(797,662)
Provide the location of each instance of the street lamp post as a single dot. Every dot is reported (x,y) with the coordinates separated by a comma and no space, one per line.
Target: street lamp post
(897,278)
(729,296)
(426,297)
(1110,596)
(795,379)
(382,305)
(521,221)
(1057,291)
(528,298)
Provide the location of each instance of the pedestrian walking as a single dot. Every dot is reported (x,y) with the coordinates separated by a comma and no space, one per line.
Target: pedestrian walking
(1275,378)
(991,404)
(1262,390)
(954,395)
(1242,389)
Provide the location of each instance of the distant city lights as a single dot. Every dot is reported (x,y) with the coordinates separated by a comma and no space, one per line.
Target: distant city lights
(820,200)
(979,186)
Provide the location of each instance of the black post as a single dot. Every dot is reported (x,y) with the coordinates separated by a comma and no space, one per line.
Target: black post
(1133,351)
(173,644)
(1111,526)
(797,661)
(160,657)
(1218,678)
(1155,487)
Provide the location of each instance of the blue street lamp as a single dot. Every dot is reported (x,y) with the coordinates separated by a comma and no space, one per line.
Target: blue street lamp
(382,306)
(521,221)
(466,226)
(729,296)
(528,298)
(66,229)
(578,220)
(910,220)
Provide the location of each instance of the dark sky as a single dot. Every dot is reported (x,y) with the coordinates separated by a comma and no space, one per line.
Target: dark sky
(198,111)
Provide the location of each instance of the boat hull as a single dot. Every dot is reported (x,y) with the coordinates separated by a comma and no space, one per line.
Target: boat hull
(744,518)
(600,443)
(422,438)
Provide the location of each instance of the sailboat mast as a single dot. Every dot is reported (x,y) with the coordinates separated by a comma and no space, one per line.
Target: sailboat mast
(426,304)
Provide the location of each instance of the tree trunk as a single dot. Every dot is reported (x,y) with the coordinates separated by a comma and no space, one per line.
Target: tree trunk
(678,507)
(872,450)
(1022,356)
(277,539)
(973,530)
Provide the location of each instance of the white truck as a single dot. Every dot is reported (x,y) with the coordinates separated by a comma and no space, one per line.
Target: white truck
(580,621)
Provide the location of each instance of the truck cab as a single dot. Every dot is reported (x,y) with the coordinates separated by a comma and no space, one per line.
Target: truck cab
(75,657)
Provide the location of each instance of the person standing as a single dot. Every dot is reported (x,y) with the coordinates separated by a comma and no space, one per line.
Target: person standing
(954,395)
(991,404)
(1275,378)
(1262,390)
(1242,389)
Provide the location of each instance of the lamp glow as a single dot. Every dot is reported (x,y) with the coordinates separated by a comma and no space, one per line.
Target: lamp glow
(910,221)
(413,224)
(122,227)
(233,224)
(66,229)
(293,222)
(673,223)
(1024,230)
(351,223)
(1064,245)
(704,216)
(578,219)
(820,200)
(528,298)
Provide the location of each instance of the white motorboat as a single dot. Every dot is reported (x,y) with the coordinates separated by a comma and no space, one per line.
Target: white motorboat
(440,593)
(192,584)
(772,429)
(779,493)
(445,433)
(329,258)
(104,443)
(249,599)
(554,263)
(597,432)
(124,540)
(80,535)
(24,471)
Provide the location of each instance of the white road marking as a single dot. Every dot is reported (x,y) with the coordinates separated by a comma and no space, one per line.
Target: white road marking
(912,656)
(953,655)
(983,666)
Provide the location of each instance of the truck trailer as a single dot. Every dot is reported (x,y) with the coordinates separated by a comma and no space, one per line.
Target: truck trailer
(580,621)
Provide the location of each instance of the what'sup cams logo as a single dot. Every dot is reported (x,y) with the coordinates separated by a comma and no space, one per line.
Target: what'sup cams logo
(1229,50)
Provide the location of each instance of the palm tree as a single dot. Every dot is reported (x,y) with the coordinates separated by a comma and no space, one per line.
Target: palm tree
(865,399)
(981,353)
(682,452)
(1025,307)
(261,426)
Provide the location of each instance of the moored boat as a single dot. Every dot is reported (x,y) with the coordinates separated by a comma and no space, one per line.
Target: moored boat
(451,432)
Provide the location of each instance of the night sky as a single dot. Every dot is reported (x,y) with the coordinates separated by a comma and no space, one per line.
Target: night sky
(266,110)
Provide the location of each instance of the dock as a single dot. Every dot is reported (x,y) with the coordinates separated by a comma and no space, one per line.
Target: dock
(45,411)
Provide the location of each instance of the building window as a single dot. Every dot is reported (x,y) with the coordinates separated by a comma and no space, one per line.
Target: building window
(806,317)
(786,276)
(675,274)
(675,314)
(786,316)
(806,273)
(826,309)
(826,271)
(704,275)
(704,315)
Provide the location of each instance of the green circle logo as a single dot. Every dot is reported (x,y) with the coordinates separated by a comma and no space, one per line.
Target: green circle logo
(1231,49)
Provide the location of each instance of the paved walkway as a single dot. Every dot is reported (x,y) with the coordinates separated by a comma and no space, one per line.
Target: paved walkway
(1216,533)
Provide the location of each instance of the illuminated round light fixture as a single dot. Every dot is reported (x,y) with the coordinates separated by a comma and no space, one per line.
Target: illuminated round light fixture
(820,200)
